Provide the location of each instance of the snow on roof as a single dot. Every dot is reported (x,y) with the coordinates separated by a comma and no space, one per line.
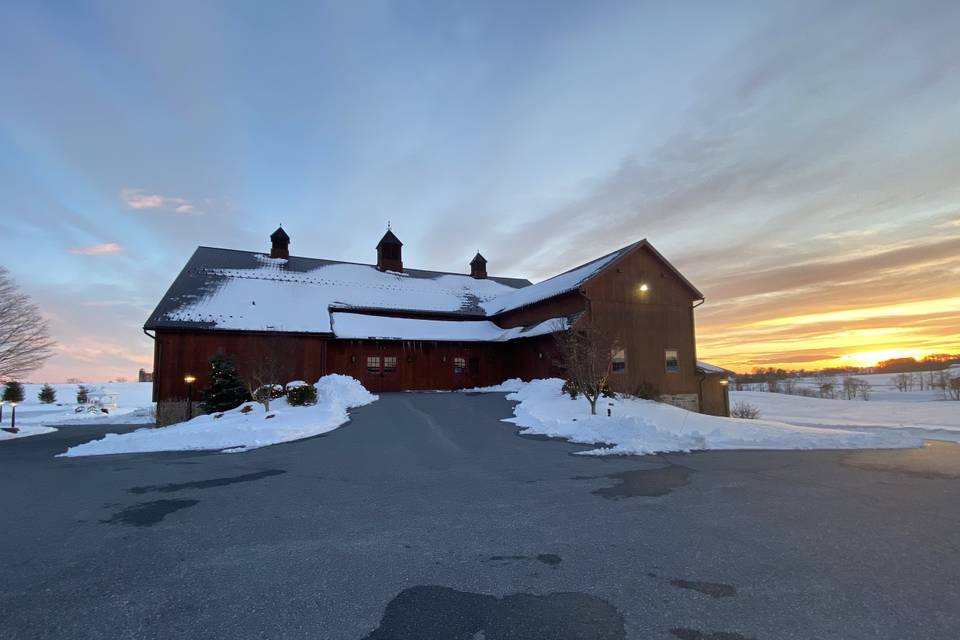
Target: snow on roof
(248,291)
(364,326)
(567,281)
(710,368)
(223,289)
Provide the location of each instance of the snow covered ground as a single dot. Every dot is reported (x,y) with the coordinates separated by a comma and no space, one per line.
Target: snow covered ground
(235,431)
(910,412)
(134,406)
(643,426)
(883,387)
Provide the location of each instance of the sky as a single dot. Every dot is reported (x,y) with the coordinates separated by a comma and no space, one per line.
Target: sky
(799,162)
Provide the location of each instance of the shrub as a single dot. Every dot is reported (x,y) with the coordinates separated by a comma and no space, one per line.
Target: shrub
(302,395)
(646,391)
(272,391)
(246,408)
(745,410)
(13,392)
(47,395)
(570,389)
(83,395)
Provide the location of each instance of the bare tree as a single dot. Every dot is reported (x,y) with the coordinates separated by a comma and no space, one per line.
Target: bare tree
(25,342)
(586,353)
(262,375)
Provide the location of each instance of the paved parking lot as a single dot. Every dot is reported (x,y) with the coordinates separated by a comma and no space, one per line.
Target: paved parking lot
(427,518)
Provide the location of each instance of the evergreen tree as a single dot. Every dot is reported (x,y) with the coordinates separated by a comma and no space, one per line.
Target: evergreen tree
(82,394)
(47,395)
(226,389)
(13,392)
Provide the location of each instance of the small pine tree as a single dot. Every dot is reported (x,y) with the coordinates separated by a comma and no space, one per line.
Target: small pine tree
(47,395)
(13,392)
(226,389)
(83,395)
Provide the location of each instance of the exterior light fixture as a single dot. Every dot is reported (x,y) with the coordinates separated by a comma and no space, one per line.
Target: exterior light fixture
(644,288)
(724,382)
(189,379)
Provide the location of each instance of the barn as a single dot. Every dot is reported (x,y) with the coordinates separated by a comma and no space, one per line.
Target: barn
(396,329)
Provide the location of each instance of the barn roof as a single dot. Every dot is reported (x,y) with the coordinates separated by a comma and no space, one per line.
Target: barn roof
(228,289)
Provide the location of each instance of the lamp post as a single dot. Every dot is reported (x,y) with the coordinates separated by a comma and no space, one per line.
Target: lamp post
(189,379)
(2,402)
(13,418)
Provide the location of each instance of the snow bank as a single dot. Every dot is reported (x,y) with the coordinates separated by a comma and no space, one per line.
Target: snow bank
(639,427)
(235,431)
(24,429)
(509,386)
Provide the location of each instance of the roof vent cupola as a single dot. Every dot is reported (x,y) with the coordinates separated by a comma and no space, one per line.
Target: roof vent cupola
(389,256)
(478,267)
(280,244)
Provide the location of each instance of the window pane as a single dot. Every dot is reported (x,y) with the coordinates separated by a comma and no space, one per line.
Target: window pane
(373,364)
(459,365)
(389,363)
(673,361)
(619,360)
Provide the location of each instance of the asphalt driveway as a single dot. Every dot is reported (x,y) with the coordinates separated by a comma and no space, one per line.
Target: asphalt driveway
(426,518)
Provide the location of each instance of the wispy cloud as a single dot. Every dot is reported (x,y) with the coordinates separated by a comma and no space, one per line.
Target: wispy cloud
(97,249)
(139,199)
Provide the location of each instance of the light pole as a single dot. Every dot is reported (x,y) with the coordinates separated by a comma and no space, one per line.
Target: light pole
(2,402)
(189,379)
(13,418)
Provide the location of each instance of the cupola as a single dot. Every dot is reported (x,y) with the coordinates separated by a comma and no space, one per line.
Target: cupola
(389,256)
(279,244)
(478,267)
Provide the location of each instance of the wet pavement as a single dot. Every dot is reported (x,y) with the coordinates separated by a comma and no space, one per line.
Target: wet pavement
(427,518)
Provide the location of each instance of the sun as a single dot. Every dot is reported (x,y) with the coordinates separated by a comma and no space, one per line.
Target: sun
(871,358)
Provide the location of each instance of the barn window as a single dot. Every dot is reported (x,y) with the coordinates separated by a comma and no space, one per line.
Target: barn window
(672,358)
(619,360)
(459,365)
(373,364)
(389,363)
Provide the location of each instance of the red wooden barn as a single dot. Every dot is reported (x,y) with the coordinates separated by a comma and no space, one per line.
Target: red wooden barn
(395,328)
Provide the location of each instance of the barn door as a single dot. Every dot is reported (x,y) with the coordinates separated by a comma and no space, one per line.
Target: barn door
(382,372)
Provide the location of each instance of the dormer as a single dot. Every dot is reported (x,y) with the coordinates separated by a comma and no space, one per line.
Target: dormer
(389,256)
(280,244)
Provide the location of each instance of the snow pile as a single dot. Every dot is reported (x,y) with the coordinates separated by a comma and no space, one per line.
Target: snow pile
(24,429)
(639,427)
(507,386)
(235,431)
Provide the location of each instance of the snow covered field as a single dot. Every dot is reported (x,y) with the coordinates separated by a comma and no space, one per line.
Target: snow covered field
(134,406)
(883,387)
(235,431)
(932,414)
(789,422)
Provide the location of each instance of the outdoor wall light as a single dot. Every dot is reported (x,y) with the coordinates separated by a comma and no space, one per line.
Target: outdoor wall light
(644,288)
(724,382)
(189,379)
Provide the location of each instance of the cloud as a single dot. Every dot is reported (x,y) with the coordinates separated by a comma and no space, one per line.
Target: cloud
(138,199)
(97,249)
